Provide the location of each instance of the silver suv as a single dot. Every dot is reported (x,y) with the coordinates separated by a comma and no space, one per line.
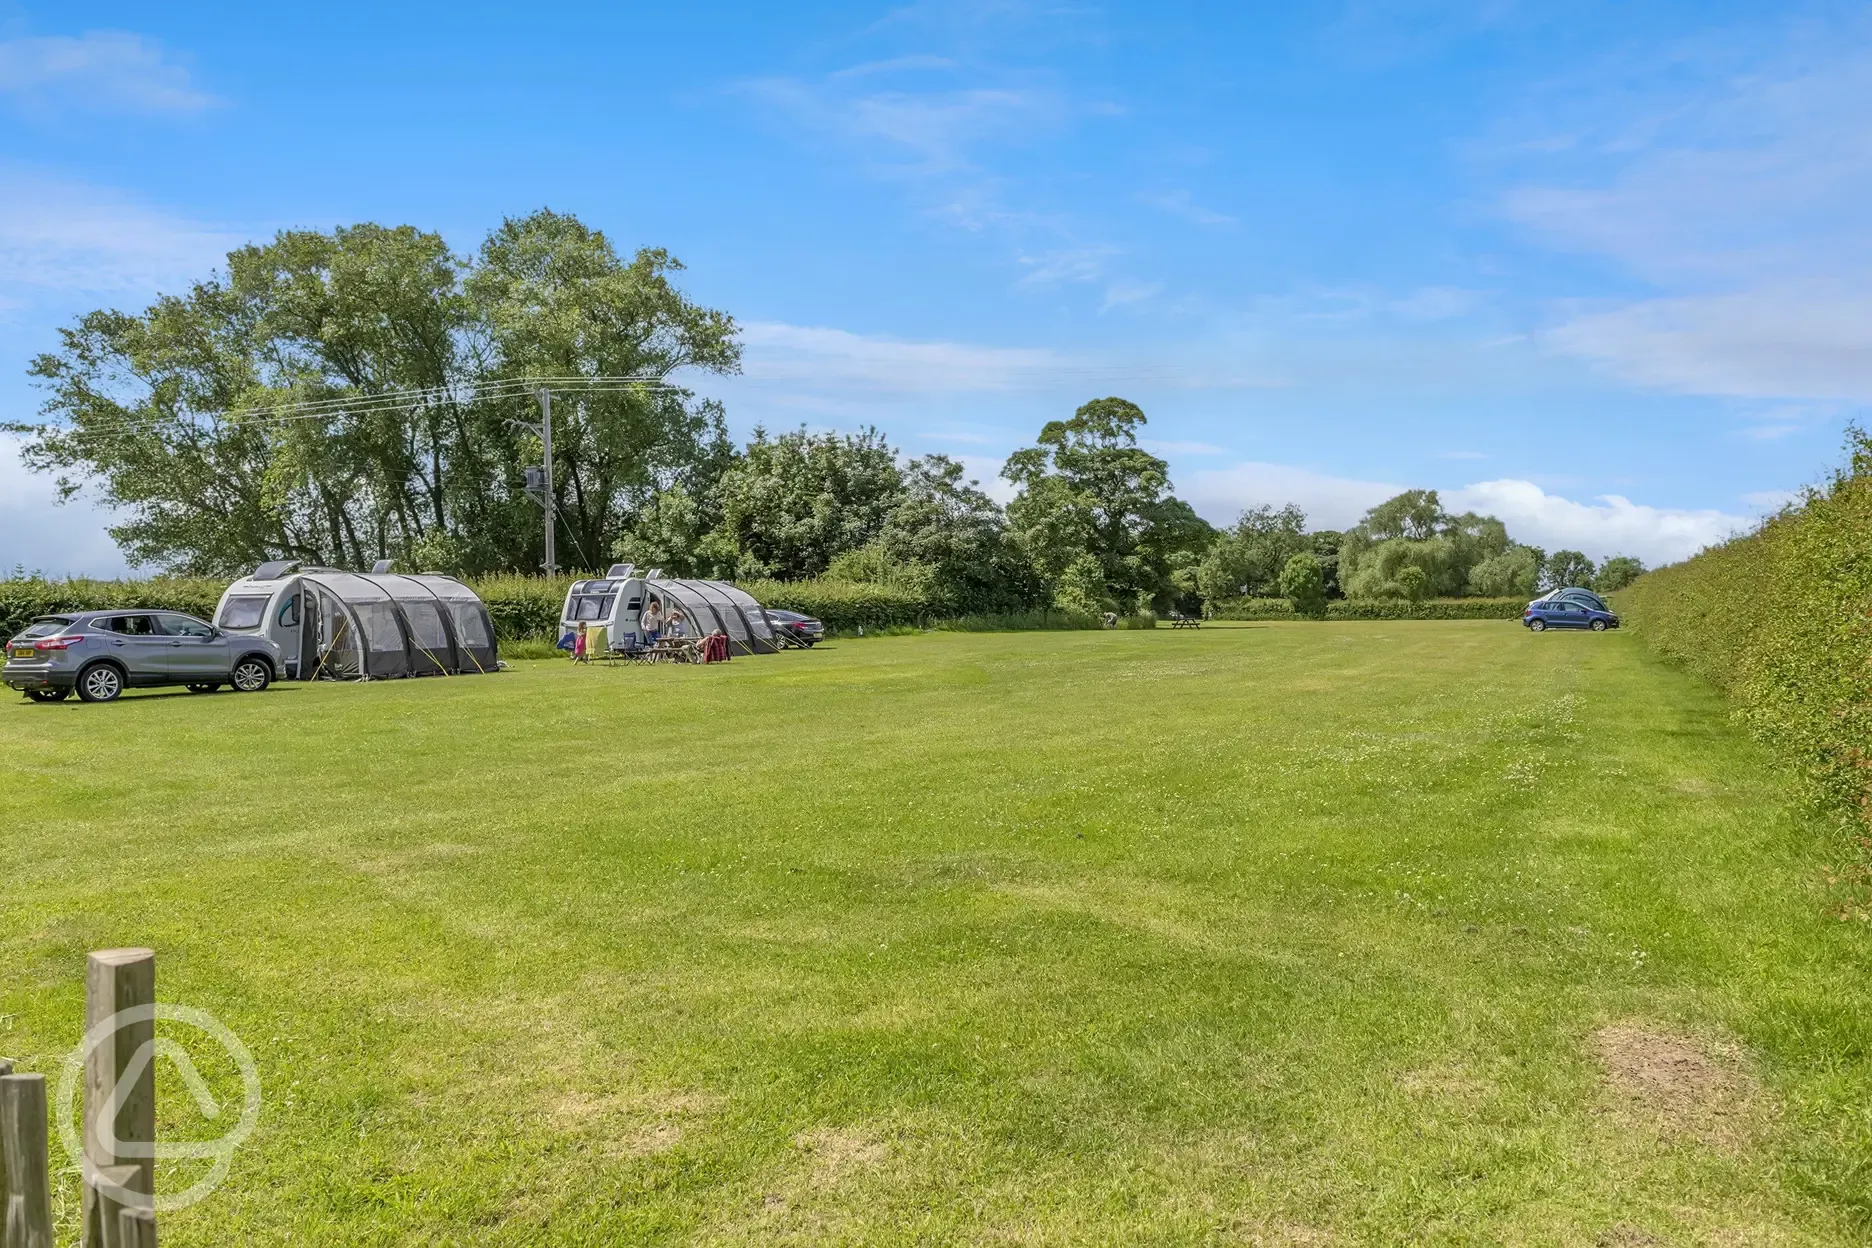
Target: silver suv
(99,654)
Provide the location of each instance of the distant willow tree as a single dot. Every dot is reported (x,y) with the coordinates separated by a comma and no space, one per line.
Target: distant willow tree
(191,419)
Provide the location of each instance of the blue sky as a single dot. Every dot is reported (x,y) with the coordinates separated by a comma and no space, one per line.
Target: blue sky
(1597,268)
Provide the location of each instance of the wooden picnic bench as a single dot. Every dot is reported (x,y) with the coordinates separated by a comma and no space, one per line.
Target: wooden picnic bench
(1185,621)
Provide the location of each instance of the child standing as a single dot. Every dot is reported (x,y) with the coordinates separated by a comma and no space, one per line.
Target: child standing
(578,645)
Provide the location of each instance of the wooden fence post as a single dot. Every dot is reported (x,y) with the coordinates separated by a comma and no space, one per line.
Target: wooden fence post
(137,1229)
(117,980)
(24,1136)
(6,1068)
(106,1203)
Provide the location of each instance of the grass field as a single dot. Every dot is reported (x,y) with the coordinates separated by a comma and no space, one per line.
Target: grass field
(1290,933)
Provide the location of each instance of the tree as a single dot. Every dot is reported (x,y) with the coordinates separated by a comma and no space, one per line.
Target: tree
(947,524)
(554,300)
(175,415)
(1567,567)
(1618,572)
(1247,558)
(1413,581)
(1303,583)
(791,504)
(1515,573)
(1091,498)
(1411,530)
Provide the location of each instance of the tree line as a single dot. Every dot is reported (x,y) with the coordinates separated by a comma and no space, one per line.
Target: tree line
(365,393)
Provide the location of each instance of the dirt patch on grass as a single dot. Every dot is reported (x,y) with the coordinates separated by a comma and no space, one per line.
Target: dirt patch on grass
(838,1153)
(1682,1085)
(632,1123)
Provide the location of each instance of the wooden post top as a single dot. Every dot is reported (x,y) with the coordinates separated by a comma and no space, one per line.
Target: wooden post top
(121,957)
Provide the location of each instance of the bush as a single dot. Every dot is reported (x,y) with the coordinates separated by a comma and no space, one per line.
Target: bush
(1377,609)
(1781,619)
(1144,619)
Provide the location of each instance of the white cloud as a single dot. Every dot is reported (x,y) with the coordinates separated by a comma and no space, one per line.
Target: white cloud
(1611,526)
(985,471)
(101,71)
(64,236)
(41,535)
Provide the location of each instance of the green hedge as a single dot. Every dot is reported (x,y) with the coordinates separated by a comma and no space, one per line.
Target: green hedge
(1379,609)
(21,600)
(523,608)
(1781,619)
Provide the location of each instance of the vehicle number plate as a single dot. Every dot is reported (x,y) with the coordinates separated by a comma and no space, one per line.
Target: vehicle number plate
(25,652)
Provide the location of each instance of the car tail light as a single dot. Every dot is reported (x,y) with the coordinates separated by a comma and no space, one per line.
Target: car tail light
(56,643)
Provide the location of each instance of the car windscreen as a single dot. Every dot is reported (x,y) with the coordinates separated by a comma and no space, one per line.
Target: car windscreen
(242,614)
(47,627)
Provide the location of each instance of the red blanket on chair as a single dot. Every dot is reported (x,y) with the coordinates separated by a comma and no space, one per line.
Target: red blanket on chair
(715,648)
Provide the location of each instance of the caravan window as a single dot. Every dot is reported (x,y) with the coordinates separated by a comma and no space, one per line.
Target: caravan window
(592,606)
(243,614)
(289,614)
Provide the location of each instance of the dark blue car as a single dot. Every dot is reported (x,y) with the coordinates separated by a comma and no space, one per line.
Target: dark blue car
(1545,613)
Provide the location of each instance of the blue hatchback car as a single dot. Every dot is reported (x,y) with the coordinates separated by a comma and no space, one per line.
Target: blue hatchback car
(1545,613)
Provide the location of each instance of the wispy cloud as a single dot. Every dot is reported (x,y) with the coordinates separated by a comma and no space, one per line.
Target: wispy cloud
(1178,203)
(101,71)
(924,130)
(1766,342)
(1067,264)
(66,236)
(839,359)
(1741,198)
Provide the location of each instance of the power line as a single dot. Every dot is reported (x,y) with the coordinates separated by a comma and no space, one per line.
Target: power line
(386,401)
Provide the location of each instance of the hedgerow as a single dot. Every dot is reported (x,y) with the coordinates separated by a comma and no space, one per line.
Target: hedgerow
(1781,619)
(1378,609)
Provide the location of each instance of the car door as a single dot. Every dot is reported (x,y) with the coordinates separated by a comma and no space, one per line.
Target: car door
(1572,615)
(198,653)
(136,642)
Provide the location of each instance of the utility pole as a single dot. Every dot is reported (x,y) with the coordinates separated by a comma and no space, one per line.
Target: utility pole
(545,401)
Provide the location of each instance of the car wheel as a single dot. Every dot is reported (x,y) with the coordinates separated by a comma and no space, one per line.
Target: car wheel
(1537,626)
(203,688)
(252,675)
(100,683)
(48,695)
(1598,626)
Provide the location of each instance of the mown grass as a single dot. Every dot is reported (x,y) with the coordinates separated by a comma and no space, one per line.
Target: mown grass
(1281,933)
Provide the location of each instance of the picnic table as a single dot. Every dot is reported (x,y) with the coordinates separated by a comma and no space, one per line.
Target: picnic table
(1185,621)
(666,650)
